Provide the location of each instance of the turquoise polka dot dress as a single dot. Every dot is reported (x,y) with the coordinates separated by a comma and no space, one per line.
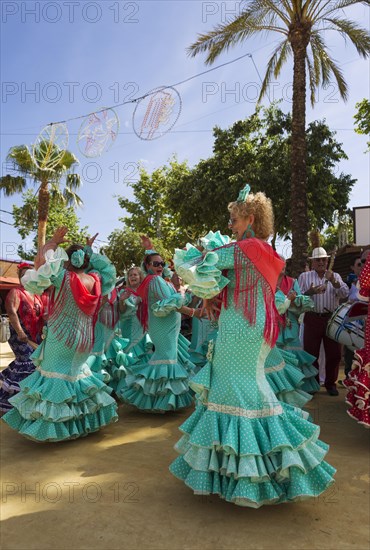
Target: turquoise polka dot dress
(63,399)
(241,442)
(160,382)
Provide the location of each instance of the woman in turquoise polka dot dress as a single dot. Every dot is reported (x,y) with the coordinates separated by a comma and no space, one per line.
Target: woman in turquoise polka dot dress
(241,442)
(160,383)
(63,399)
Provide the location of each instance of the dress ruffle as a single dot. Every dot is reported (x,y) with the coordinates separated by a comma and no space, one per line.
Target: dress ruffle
(37,281)
(285,378)
(358,386)
(305,360)
(157,387)
(55,409)
(252,462)
(164,307)
(204,279)
(10,379)
(214,240)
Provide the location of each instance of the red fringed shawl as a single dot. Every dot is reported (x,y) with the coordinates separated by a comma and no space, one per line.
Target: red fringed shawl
(143,309)
(286,284)
(256,262)
(109,313)
(143,292)
(75,329)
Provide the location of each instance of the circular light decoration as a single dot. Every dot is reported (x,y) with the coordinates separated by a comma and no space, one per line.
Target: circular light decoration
(157,113)
(50,146)
(98,132)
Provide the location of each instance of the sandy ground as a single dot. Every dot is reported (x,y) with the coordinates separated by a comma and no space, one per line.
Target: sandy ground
(112,490)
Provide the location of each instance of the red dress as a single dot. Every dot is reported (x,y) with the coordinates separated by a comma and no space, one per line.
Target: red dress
(358,383)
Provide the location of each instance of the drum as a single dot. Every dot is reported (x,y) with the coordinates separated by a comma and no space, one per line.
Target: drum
(346,331)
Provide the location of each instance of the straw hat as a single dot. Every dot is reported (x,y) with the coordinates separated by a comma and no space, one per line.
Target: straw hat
(318,253)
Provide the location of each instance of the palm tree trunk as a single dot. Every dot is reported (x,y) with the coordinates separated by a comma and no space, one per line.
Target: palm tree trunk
(43,211)
(299,213)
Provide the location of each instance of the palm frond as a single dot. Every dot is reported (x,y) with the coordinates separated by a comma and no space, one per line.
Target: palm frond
(312,80)
(327,64)
(342,4)
(71,198)
(12,185)
(316,8)
(274,65)
(359,36)
(73,181)
(242,27)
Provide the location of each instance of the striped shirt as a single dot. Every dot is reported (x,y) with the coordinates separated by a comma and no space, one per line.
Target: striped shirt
(328,301)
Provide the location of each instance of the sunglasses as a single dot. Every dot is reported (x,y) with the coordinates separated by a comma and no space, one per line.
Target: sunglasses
(157,264)
(363,260)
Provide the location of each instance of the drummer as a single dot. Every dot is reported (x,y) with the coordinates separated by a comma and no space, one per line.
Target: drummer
(326,289)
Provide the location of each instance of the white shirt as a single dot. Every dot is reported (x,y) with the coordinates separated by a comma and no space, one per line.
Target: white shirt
(328,301)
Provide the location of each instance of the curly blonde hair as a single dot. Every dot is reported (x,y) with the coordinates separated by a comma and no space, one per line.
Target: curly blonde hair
(261,208)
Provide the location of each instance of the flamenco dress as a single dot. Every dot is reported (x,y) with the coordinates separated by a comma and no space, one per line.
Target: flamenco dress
(104,332)
(31,317)
(63,399)
(241,442)
(203,331)
(160,383)
(133,345)
(288,339)
(280,366)
(285,378)
(358,382)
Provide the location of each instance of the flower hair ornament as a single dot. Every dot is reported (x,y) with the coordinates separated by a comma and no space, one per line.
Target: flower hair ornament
(242,197)
(77,258)
(243,194)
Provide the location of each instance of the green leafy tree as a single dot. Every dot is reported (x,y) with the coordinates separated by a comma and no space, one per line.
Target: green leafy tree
(149,211)
(48,182)
(302,25)
(257,151)
(125,250)
(362,118)
(59,214)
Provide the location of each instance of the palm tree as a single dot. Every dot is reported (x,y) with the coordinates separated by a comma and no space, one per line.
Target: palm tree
(302,24)
(21,162)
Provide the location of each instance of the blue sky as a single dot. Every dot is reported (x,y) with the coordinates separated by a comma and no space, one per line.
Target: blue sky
(62,59)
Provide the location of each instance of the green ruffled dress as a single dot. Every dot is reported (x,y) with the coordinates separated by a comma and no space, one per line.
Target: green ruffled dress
(63,399)
(202,332)
(285,378)
(132,347)
(241,442)
(288,339)
(161,382)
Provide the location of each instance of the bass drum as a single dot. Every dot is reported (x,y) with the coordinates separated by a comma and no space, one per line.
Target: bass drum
(346,331)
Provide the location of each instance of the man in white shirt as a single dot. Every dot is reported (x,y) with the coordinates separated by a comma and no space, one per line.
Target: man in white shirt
(325,288)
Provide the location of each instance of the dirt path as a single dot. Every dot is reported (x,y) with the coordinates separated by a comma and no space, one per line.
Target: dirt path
(112,490)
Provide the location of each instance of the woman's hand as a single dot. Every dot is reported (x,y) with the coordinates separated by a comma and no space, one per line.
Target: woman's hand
(22,336)
(59,235)
(90,240)
(292,295)
(198,313)
(146,243)
(124,295)
(211,308)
